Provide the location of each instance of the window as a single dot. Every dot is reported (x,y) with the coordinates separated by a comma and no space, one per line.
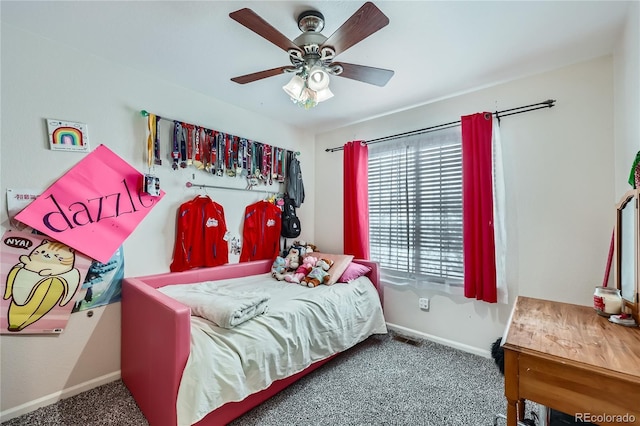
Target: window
(415,208)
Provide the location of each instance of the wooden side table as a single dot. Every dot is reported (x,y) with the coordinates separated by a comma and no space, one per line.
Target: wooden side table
(573,360)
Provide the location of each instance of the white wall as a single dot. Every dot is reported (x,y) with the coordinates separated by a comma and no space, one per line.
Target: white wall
(559,184)
(44,80)
(627,99)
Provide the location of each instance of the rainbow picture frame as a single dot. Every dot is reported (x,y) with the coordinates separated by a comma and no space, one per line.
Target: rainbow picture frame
(67,136)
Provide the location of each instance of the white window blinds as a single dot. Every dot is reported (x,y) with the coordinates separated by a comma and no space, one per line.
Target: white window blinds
(415,208)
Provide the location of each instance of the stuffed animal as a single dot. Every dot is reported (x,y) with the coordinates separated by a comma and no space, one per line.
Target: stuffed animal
(319,275)
(305,248)
(279,268)
(293,258)
(297,277)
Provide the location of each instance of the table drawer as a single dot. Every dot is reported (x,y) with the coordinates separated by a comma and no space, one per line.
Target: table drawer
(611,400)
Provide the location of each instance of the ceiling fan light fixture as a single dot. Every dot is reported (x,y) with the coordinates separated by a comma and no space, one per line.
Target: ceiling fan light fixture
(318,78)
(295,88)
(308,99)
(324,94)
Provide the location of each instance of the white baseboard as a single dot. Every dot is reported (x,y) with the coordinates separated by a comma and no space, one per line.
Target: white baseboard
(456,345)
(30,406)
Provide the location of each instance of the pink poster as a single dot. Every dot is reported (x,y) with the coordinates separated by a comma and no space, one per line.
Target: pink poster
(41,278)
(94,207)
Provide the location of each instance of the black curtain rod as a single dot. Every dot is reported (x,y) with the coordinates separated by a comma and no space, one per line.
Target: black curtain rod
(499,114)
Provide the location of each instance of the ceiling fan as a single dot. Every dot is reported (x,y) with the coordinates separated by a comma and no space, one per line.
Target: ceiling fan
(311,53)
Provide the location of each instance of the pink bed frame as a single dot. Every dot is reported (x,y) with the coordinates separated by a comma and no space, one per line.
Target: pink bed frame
(156,335)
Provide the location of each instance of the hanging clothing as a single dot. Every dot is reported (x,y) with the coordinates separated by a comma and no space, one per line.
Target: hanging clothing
(261,232)
(294,184)
(200,236)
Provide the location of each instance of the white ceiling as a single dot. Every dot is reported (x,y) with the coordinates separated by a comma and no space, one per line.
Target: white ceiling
(436,48)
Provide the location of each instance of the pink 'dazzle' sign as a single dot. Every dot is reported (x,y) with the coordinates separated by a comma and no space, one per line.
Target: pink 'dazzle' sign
(94,207)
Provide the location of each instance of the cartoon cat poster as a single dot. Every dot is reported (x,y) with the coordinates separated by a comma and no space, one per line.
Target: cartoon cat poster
(41,278)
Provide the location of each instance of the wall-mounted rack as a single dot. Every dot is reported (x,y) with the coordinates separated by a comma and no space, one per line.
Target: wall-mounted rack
(248,189)
(214,151)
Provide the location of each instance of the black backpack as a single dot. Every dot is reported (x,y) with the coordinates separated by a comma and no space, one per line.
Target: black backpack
(290,222)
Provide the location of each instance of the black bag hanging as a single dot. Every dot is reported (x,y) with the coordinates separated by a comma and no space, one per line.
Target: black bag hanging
(294,184)
(290,222)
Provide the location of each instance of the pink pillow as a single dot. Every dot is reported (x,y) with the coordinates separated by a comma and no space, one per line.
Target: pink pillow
(340,264)
(353,271)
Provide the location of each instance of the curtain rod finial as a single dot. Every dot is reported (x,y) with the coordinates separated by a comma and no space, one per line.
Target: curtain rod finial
(144,113)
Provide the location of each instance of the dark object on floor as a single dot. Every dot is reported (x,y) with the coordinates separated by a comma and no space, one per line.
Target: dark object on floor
(498,354)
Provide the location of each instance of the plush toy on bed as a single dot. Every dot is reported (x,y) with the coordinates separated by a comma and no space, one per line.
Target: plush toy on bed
(285,266)
(293,258)
(319,275)
(304,247)
(307,265)
(279,268)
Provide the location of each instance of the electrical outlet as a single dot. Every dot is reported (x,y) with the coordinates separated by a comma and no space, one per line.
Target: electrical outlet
(423,302)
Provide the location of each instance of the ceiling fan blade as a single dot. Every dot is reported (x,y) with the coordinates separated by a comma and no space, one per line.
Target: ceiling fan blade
(371,75)
(249,78)
(255,23)
(366,21)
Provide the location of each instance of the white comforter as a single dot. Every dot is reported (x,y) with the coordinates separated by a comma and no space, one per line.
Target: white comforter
(223,307)
(302,325)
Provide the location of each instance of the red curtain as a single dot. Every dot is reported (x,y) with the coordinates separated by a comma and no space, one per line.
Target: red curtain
(477,208)
(356,199)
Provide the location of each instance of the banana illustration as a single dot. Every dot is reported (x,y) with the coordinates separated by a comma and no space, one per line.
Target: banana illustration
(39,282)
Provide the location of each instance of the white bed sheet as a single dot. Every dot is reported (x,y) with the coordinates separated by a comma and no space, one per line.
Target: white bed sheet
(302,325)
